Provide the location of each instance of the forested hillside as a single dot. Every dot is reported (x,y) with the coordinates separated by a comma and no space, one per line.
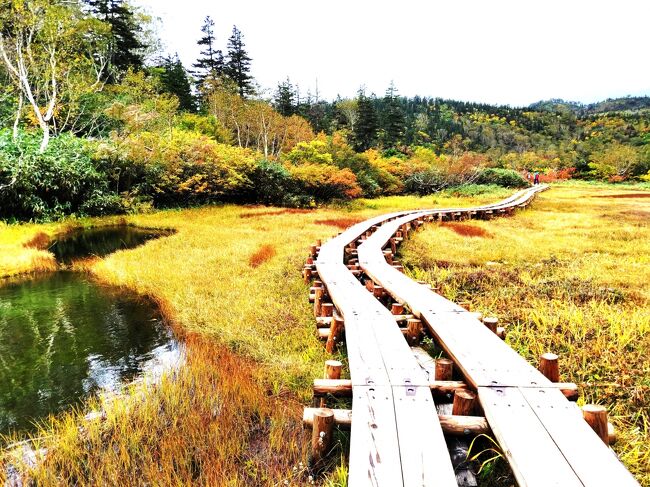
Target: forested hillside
(96,119)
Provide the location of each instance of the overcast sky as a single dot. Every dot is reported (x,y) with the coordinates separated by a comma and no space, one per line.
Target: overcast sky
(496,51)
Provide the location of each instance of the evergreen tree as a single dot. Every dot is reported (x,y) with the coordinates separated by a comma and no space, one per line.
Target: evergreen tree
(285,99)
(238,64)
(174,80)
(365,131)
(126,47)
(393,119)
(211,61)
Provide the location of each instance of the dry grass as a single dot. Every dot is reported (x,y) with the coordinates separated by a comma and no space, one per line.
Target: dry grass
(467,230)
(264,253)
(341,223)
(570,275)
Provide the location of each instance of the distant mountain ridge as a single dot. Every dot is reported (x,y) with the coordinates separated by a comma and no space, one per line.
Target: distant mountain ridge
(623,104)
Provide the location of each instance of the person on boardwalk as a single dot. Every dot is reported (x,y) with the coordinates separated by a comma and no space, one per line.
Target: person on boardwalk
(536,179)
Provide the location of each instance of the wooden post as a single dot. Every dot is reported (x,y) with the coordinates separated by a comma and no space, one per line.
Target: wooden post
(306,274)
(463,403)
(393,246)
(378,292)
(318,299)
(332,371)
(414,331)
(319,242)
(397,309)
(321,435)
(596,417)
(465,304)
(444,369)
(318,283)
(313,250)
(334,336)
(326,309)
(310,260)
(548,366)
(389,256)
(491,322)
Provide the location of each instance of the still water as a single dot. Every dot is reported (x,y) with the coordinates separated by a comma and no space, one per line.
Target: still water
(64,336)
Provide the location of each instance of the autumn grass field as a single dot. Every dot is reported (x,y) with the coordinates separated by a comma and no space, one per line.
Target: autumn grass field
(570,275)
(229,282)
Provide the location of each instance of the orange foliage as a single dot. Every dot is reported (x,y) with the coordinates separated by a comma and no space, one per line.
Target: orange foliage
(39,241)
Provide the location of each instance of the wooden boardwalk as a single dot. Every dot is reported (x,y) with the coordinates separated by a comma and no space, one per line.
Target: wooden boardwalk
(396,436)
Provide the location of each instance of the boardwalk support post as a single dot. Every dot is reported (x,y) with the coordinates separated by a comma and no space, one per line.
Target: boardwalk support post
(334,336)
(414,331)
(463,403)
(321,435)
(332,371)
(491,323)
(444,369)
(548,366)
(596,417)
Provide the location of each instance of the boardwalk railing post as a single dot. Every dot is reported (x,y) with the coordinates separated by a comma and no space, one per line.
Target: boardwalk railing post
(548,366)
(321,435)
(414,331)
(491,323)
(318,300)
(596,417)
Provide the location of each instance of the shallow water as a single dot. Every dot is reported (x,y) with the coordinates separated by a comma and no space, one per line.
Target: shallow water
(64,336)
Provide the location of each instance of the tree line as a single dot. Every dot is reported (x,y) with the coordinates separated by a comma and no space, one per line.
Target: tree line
(94,120)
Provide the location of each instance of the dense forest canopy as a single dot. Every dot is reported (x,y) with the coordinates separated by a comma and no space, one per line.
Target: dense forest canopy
(95,118)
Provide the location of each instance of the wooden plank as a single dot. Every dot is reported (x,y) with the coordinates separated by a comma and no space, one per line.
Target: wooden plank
(374,447)
(594,462)
(534,457)
(423,450)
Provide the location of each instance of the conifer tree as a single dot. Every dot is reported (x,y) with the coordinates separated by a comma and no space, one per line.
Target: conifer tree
(174,80)
(126,49)
(238,64)
(211,61)
(367,126)
(393,120)
(285,99)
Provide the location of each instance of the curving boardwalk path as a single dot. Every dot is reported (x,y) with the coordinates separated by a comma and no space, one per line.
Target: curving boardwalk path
(396,436)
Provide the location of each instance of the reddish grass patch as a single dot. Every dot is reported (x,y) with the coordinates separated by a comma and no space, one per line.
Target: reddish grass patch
(290,211)
(39,241)
(341,223)
(467,230)
(623,195)
(264,253)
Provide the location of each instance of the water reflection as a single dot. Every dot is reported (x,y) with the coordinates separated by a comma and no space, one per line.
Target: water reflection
(101,241)
(63,337)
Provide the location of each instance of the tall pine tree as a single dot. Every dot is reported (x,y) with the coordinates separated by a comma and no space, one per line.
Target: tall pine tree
(174,80)
(393,119)
(238,64)
(367,127)
(211,61)
(126,49)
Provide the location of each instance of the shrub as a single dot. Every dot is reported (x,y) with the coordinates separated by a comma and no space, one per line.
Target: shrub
(426,182)
(62,180)
(324,182)
(507,178)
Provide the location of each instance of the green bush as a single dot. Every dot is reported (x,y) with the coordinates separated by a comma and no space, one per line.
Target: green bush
(426,182)
(63,180)
(506,178)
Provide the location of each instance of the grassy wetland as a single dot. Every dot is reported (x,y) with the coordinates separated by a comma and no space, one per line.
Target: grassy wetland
(229,283)
(570,275)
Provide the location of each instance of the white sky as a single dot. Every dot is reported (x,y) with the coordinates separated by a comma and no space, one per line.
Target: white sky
(496,51)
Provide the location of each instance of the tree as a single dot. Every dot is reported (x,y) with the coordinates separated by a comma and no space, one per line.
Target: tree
(365,133)
(174,80)
(393,120)
(211,62)
(54,53)
(126,47)
(350,111)
(285,99)
(238,64)
(617,161)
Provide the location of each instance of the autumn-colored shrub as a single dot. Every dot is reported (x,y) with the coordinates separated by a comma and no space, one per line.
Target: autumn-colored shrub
(325,182)
(467,230)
